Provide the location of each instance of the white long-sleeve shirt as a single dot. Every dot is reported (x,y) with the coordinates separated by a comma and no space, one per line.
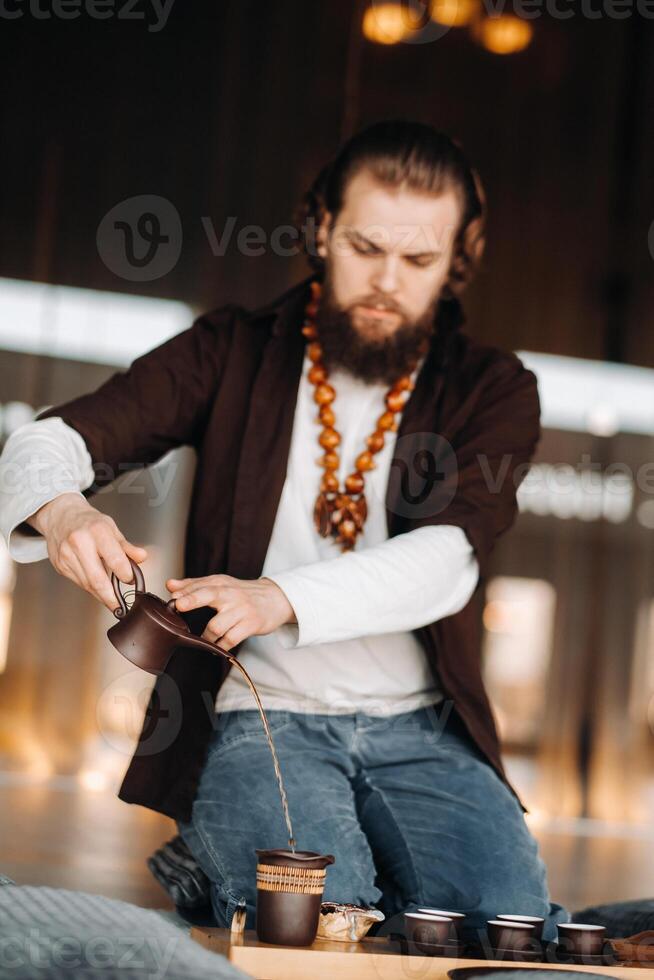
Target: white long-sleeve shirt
(352,648)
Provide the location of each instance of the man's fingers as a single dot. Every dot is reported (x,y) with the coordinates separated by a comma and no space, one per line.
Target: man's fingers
(195,598)
(96,574)
(233,636)
(218,626)
(116,560)
(72,569)
(134,551)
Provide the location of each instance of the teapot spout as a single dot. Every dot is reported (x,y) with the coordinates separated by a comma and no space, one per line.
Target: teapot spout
(196,643)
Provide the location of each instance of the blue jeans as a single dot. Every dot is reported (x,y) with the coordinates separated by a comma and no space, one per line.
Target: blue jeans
(409,807)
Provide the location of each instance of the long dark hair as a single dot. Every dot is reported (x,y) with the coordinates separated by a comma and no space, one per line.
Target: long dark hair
(402,152)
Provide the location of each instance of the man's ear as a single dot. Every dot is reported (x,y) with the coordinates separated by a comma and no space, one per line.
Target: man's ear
(322,235)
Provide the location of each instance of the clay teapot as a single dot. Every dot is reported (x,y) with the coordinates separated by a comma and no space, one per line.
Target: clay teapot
(150,629)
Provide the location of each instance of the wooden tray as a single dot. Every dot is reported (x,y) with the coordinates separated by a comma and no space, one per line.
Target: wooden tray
(374,958)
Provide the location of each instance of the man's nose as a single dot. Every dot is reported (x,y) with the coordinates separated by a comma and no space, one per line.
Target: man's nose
(386,274)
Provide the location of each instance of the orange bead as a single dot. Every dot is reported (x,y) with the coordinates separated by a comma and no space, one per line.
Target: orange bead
(395,401)
(309,331)
(316,290)
(314,351)
(311,309)
(329,438)
(403,384)
(354,483)
(317,374)
(326,415)
(324,394)
(329,461)
(329,483)
(375,442)
(386,420)
(347,528)
(364,461)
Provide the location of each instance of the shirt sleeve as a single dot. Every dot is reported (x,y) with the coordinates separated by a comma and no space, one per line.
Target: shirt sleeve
(40,461)
(401,584)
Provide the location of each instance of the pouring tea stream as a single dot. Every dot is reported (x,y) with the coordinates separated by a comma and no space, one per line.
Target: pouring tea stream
(148,632)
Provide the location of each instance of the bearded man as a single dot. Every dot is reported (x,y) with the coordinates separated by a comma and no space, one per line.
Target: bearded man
(358,455)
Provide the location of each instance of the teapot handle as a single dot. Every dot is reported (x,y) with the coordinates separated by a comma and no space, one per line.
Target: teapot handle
(122,610)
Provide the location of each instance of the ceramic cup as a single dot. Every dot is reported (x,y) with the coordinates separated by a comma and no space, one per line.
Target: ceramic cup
(580,939)
(510,935)
(533,920)
(458,919)
(426,929)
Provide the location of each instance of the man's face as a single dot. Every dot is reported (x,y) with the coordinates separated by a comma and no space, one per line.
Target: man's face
(387,257)
(388,254)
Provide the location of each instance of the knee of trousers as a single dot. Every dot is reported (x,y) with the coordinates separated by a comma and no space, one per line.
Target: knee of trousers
(351,886)
(225,903)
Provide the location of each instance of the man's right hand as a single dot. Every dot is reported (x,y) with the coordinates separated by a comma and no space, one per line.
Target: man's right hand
(85,545)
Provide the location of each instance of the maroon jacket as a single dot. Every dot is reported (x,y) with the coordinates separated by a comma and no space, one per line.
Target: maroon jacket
(227,386)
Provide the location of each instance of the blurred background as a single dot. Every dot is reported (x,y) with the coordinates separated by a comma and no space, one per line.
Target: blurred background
(153,157)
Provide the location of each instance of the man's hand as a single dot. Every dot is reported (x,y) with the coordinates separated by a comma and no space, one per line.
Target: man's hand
(244,608)
(85,545)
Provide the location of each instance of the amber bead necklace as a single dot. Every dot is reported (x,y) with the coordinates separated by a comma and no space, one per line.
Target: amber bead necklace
(341,513)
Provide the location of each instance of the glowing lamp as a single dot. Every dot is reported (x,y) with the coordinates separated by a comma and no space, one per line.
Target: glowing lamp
(505,34)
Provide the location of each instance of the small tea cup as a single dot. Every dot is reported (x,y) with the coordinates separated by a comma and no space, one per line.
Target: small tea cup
(458,918)
(426,929)
(536,921)
(581,939)
(511,935)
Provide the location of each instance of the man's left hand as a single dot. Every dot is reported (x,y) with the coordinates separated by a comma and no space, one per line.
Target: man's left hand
(243,607)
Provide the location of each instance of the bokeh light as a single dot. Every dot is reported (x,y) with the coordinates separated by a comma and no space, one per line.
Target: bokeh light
(504,35)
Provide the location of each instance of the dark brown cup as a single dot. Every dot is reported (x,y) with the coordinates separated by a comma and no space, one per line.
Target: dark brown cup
(580,939)
(532,920)
(425,929)
(510,935)
(458,918)
(289,895)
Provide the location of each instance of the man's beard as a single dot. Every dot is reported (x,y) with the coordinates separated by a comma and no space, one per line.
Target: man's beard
(382,359)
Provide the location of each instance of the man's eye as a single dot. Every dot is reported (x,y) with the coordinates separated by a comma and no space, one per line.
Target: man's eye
(365,249)
(421,261)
